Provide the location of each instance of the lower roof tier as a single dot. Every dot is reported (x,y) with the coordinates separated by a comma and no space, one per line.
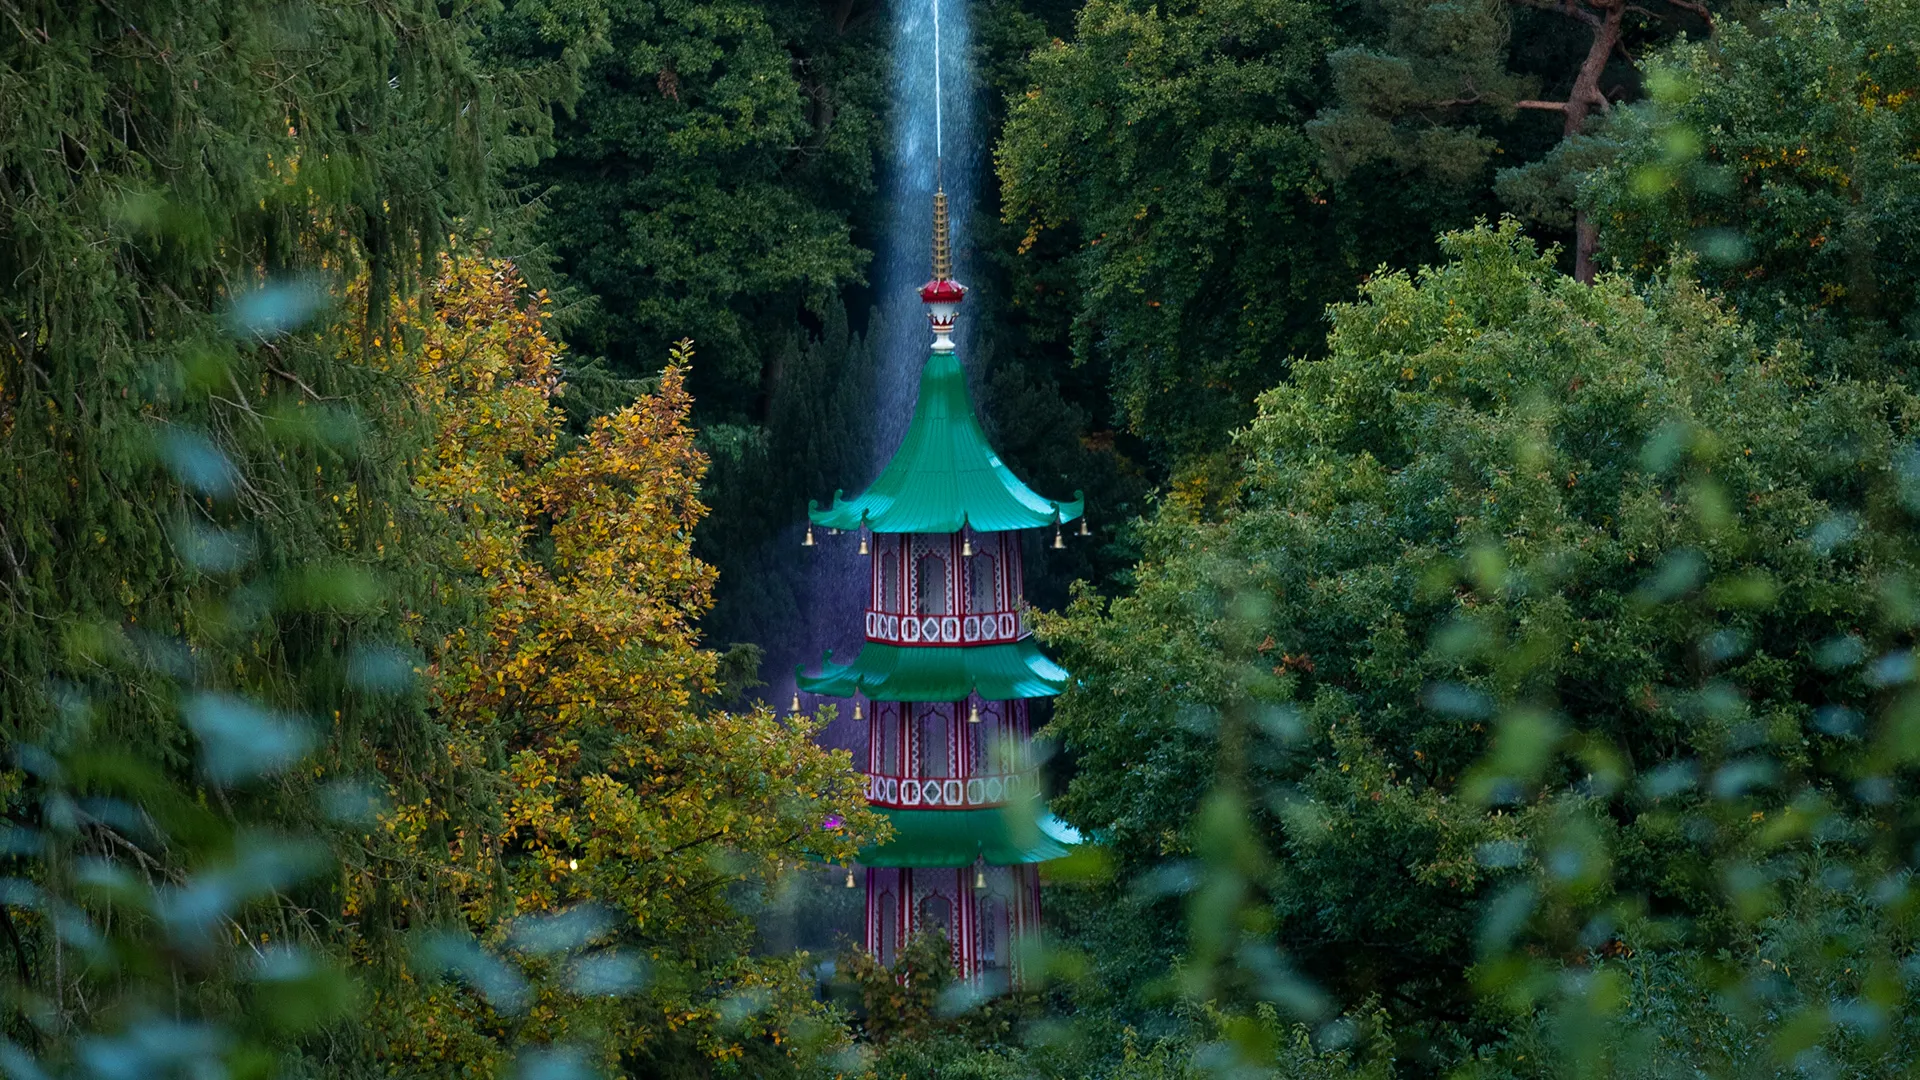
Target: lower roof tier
(1005,836)
(882,672)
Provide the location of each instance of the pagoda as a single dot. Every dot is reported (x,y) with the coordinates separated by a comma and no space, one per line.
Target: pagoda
(948,671)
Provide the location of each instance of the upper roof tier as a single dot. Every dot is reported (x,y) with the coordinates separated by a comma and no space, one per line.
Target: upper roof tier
(945,475)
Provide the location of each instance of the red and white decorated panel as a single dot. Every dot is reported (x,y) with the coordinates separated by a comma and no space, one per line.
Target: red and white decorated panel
(952,793)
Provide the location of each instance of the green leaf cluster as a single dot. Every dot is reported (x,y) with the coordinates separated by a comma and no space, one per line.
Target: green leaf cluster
(1782,154)
(1539,631)
(707,176)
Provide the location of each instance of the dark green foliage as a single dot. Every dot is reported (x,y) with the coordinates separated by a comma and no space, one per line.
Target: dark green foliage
(1513,569)
(203,523)
(1192,1043)
(1179,230)
(1161,157)
(705,183)
(1782,153)
(818,436)
(1441,92)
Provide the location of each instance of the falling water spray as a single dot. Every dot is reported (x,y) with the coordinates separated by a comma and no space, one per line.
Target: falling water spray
(932,148)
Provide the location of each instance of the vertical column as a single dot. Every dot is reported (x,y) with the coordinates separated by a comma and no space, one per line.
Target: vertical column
(965,947)
(909,908)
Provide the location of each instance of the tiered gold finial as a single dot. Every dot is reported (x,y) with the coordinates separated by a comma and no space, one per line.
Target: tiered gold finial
(942,250)
(942,294)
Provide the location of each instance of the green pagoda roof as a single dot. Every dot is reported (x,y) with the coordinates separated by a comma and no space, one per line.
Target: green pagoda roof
(1016,669)
(945,475)
(1004,836)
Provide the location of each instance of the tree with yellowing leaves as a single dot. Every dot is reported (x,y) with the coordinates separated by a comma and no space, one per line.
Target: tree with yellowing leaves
(621,810)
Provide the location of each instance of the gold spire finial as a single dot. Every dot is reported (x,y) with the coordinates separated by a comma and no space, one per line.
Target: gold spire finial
(942,253)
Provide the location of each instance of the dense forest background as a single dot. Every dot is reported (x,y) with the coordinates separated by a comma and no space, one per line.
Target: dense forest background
(1494,653)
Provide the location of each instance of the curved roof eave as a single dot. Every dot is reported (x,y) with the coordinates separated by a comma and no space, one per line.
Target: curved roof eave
(939,673)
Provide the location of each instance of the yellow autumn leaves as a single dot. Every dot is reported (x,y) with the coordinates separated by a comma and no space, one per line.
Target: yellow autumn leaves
(574,691)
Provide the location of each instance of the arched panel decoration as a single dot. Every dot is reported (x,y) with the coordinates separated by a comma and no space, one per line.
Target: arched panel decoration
(983,583)
(886,737)
(930,583)
(889,582)
(888,924)
(934,757)
(936,913)
(996,929)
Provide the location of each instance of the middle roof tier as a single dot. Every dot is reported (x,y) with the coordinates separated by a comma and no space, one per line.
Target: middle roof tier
(884,672)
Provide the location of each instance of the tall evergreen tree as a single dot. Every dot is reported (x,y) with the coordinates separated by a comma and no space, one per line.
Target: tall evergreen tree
(1440,90)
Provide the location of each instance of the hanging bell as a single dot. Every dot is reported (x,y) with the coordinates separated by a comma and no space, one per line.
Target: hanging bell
(808,542)
(856,710)
(863,543)
(833,532)
(966,545)
(1059,544)
(849,879)
(796,702)
(1084,531)
(973,712)
(979,876)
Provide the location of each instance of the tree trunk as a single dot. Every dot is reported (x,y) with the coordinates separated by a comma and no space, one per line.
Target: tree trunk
(1586,94)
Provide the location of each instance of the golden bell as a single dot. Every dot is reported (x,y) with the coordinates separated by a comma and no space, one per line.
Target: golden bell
(856,710)
(833,532)
(1058,543)
(849,879)
(863,543)
(808,542)
(796,701)
(973,712)
(979,877)
(966,547)
(1084,531)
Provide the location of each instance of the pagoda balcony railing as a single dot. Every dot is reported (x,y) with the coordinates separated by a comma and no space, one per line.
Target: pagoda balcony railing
(950,793)
(984,628)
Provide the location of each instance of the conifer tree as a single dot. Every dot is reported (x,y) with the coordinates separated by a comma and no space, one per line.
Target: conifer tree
(1435,91)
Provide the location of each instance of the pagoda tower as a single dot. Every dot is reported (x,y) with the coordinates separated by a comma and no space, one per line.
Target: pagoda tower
(947,671)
